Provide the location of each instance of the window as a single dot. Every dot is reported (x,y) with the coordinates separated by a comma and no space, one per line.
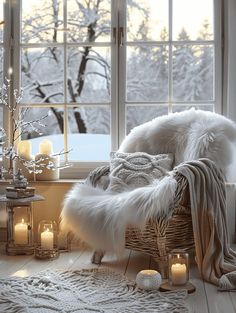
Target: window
(98,68)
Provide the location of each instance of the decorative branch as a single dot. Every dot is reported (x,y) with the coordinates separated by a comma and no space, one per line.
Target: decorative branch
(20,127)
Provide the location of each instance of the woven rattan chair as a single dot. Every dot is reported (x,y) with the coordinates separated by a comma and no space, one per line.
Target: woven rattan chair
(160,236)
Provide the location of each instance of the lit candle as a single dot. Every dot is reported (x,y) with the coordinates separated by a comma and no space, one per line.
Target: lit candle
(178,274)
(47,239)
(148,279)
(45,147)
(24,149)
(21,233)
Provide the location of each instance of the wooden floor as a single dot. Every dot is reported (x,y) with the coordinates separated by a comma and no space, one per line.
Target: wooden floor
(205,299)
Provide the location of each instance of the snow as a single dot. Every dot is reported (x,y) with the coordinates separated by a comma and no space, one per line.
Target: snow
(85,147)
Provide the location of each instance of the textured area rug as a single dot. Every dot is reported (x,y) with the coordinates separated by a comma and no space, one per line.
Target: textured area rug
(84,291)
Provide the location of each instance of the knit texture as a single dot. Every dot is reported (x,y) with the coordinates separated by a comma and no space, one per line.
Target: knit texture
(138,169)
(84,291)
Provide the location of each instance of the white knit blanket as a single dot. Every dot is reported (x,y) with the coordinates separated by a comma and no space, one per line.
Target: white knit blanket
(84,291)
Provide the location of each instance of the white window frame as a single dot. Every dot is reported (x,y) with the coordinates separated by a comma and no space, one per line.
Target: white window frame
(118,72)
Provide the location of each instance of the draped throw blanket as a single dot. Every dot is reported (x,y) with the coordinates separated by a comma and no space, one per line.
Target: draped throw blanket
(100,217)
(216,260)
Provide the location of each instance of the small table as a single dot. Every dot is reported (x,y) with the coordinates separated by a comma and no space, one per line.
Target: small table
(11,204)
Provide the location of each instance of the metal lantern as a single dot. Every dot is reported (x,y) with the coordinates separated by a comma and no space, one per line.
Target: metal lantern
(19,228)
(47,247)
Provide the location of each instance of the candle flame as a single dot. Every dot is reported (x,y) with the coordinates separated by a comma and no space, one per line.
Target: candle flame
(22,221)
(178,256)
(10,71)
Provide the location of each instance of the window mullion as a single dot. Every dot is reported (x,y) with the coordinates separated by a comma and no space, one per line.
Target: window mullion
(122,73)
(65,117)
(170,61)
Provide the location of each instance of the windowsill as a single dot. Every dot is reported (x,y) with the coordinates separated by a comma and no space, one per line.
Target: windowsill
(38,182)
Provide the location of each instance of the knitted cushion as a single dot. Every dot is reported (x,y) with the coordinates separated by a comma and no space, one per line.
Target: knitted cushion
(138,169)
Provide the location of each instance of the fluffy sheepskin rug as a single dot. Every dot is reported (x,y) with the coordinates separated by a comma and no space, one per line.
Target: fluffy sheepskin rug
(189,135)
(100,217)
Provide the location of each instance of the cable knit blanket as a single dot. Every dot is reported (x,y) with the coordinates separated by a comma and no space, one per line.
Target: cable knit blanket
(216,260)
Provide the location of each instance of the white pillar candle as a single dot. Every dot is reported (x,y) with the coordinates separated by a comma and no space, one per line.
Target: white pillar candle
(21,233)
(24,149)
(47,239)
(45,147)
(148,279)
(178,274)
(42,161)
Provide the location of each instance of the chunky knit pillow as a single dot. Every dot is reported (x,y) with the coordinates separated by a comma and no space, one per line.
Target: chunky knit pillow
(138,169)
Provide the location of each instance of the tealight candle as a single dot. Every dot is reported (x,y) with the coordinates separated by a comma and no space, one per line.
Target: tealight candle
(47,239)
(148,280)
(21,233)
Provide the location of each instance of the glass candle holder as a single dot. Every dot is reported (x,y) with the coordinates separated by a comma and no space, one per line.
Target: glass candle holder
(47,247)
(178,268)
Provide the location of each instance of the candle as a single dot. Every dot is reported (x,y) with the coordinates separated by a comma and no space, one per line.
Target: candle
(47,239)
(148,279)
(45,147)
(21,233)
(24,149)
(48,173)
(178,274)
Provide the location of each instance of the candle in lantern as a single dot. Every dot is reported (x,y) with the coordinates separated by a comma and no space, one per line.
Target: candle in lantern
(47,239)
(21,233)
(45,147)
(178,274)
(24,149)
(148,279)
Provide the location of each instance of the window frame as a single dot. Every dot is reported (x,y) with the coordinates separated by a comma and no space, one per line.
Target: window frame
(12,12)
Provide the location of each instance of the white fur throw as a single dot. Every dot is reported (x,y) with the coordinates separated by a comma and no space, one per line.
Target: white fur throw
(100,217)
(189,135)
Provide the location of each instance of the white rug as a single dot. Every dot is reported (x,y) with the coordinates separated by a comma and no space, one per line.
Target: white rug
(84,291)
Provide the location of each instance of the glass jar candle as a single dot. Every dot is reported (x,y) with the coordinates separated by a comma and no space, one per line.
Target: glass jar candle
(178,267)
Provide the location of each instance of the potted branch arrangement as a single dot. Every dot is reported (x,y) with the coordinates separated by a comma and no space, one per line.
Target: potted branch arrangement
(20,126)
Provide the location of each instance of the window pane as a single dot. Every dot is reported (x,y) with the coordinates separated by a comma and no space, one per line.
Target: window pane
(89,21)
(203,107)
(147,73)
(42,21)
(89,74)
(193,19)
(1,20)
(193,72)
(147,20)
(95,143)
(51,120)
(42,75)
(137,115)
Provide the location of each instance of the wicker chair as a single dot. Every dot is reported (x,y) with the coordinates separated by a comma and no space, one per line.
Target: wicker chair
(160,236)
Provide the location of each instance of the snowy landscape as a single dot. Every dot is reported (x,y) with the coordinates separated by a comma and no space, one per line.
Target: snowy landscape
(69,62)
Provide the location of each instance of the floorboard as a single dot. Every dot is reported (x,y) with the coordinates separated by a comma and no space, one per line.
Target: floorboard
(206,299)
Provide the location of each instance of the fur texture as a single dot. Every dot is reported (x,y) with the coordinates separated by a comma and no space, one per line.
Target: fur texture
(100,217)
(189,135)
